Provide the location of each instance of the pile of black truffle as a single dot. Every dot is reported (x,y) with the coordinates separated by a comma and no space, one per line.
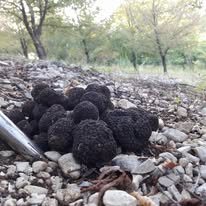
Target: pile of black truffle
(84,122)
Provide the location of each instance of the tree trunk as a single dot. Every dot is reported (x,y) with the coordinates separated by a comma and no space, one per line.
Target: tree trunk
(134,60)
(163,59)
(86,51)
(40,50)
(24,46)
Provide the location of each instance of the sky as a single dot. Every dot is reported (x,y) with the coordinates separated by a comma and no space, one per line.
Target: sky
(108,6)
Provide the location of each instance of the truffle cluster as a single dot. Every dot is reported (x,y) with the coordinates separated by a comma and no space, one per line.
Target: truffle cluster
(84,122)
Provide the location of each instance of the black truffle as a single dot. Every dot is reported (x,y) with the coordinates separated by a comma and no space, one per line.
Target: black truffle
(25,127)
(60,135)
(27,109)
(48,97)
(35,127)
(52,114)
(73,97)
(38,111)
(37,89)
(85,110)
(99,88)
(41,141)
(99,100)
(130,130)
(139,113)
(15,115)
(93,143)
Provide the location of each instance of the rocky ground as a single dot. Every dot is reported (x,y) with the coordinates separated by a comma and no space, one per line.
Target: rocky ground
(171,171)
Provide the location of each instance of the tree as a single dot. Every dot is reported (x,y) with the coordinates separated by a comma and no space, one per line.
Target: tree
(83,22)
(32,14)
(162,24)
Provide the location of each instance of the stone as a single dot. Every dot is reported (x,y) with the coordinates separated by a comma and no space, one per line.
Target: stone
(3,102)
(105,168)
(126,162)
(201,153)
(20,202)
(187,180)
(77,203)
(57,183)
(165,197)
(93,199)
(118,198)
(175,193)
(50,202)
(35,189)
(181,112)
(125,104)
(203,171)
(165,181)
(185,127)
(69,166)
(39,166)
(191,158)
(184,149)
(183,161)
(203,111)
(158,138)
(136,180)
(36,199)
(7,153)
(201,190)
(161,123)
(175,135)
(44,175)
(168,155)
(23,167)
(52,155)
(68,195)
(156,199)
(145,167)
(169,180)
(21,182)
(11,171)
(178,170)
(10,202)
(189,169)
(185,195)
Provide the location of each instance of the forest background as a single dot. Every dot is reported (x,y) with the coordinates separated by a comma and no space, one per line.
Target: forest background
(137,36)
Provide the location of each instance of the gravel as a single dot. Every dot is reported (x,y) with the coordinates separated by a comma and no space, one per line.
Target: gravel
(174,164)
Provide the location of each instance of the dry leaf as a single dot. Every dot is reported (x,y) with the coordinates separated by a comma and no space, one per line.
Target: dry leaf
(168,164)
(143,200)
(191,202)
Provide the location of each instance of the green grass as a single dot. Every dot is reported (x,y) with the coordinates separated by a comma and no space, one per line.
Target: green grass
(188,75)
